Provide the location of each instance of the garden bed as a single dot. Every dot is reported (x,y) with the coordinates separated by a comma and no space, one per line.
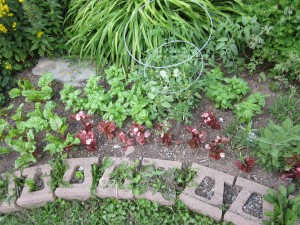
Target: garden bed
(154,149)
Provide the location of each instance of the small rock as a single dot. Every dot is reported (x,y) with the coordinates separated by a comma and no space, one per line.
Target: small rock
(130,150)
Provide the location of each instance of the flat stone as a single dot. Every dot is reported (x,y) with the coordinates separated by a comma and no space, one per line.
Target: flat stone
(236,214)
(104,190)
(67,71)
(129,150)
(9,205)
(157,196)
(210,207)
(39,198)
(77,191)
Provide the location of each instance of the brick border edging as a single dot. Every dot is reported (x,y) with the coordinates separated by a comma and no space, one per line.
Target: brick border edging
(211,208)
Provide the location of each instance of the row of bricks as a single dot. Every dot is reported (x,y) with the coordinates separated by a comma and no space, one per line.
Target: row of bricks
(81,191)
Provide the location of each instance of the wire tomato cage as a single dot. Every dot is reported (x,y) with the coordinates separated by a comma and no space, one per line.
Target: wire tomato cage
(163,76)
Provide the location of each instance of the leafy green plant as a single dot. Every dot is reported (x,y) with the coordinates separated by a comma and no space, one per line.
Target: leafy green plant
(120,174)
(3,188)
(28,29)
(150,26)
(109,211)
(79,174)
(287,105)
(59,168)
(223,90)
(278,143)
(31,95)
(278,20)
(97,172)
(286,210)
(230,39)
(129,95)
(246,110)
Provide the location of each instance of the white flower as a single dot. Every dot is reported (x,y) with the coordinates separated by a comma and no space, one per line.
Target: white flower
(207,146)
(208,119)
(205,115)
(89,141)
(221,120)
(176,73)
(79,115)
(222,154)
(163,74)
(135,130)
(147,134)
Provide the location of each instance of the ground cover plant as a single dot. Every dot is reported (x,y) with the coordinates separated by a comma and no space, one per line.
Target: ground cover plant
(108,211)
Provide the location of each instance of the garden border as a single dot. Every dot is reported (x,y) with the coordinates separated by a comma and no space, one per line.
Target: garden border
(211,208)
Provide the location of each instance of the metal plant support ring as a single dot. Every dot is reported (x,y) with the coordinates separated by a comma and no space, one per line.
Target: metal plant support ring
(146,65)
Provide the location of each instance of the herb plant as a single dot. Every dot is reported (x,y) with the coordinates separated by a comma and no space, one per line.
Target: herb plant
(278,143)
(223,90)
(246,110)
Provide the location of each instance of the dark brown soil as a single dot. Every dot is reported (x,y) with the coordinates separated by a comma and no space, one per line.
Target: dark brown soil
(154,149)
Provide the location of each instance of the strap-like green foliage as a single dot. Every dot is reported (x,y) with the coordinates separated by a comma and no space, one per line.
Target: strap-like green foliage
(98,26)
(286,210)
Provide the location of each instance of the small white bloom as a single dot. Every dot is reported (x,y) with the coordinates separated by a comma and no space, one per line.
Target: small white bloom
(147,134)
(135,130)
(221,120)
(89,141)
(176,72)
(222,154)
(163,74)
(205,115)
(207,146)
(208,119)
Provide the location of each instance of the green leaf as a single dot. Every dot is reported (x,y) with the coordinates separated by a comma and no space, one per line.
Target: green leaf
(166,105)
(220,45)
(45,80)
(4,150)
(15,92)
(55,122)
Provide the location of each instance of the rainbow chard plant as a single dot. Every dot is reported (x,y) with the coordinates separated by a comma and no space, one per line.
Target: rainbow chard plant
(216,147)
(197,137)
(246,164)
(86,136)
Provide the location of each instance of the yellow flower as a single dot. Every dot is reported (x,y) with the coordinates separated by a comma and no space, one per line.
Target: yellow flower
(14,25)
(3,28)
(8,66)
(39,34)
(21,1)
(10,14)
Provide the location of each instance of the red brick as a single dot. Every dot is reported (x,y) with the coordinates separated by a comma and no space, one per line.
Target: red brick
(77,191)
(39,198)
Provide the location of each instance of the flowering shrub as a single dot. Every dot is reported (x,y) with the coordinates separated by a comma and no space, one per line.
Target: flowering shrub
(27,29)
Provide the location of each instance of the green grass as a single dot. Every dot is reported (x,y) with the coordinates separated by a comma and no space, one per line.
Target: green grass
(107,211)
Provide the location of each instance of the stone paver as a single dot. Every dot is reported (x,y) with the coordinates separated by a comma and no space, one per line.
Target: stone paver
(36,198)
(77,191)
(212,207)
(236,214)
(66,71)
(9,205)
(158,197)
(104,190)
